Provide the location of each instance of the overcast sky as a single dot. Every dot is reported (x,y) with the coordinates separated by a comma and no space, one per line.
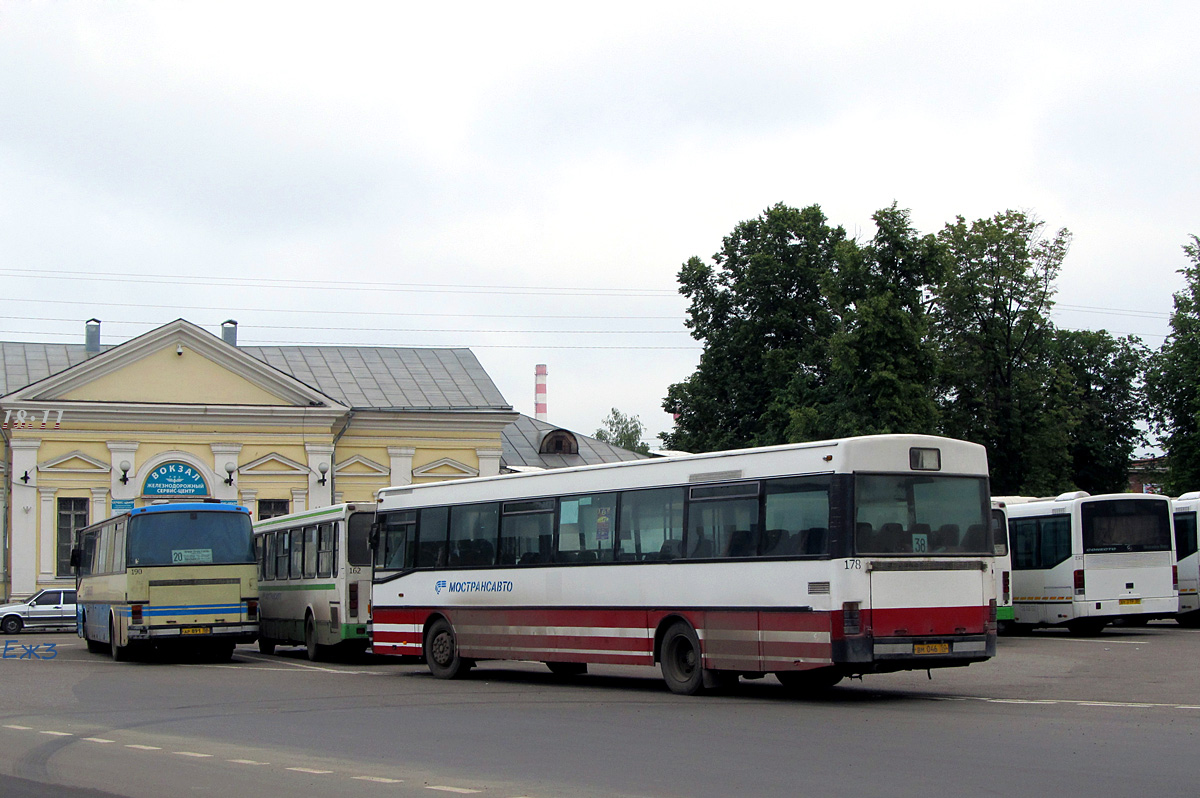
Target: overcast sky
(526,179)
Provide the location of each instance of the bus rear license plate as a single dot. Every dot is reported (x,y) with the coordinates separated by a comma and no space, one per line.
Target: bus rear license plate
(1131,601)
(195,630)
(931,648)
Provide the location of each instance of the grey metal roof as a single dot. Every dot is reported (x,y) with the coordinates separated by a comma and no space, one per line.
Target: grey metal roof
(523,438)
(24,364)
(362,377)
(385,378)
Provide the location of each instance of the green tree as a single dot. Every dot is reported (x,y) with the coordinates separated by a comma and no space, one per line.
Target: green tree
(882,363)
(623,431)
(997,384)
(1106,400)
(764,317)
(1173,382)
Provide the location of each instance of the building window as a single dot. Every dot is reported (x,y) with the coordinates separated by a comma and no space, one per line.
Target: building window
(72,515)
(559,442)
(270,508)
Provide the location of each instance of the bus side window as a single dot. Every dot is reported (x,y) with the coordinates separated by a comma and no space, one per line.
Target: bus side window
(282,553)
(651,525)
(432,532)
(268,555)
(325,550)
(118,548)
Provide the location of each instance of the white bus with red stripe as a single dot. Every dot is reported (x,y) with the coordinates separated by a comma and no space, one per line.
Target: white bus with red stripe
(1083,561)
(810,561)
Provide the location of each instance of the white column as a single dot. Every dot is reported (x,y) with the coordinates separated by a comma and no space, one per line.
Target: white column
(299,500)
(249,500)
(401,457)
(489,461)
(225,453)
(48,524)
(99,509)
(22,540)
(123,452)
(319,454)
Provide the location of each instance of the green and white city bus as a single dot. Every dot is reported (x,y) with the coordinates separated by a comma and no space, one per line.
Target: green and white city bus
(314,571)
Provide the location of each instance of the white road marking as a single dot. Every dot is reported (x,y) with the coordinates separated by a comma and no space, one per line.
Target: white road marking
(299,666)
(310,770)
(15,726)
(246,762)
(462,790)
(1105,641)
(145,747)
(379,779)
(57,733)
(98,740)
(191,753)
(1019,701)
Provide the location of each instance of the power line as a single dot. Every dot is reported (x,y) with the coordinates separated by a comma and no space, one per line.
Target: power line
(332,285)
(226,309)
(374,329)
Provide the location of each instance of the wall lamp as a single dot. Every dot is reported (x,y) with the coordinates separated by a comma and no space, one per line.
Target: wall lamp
(125,466)
(324,469)
(229,469)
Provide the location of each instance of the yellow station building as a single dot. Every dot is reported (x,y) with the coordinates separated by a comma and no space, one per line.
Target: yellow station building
(180,413)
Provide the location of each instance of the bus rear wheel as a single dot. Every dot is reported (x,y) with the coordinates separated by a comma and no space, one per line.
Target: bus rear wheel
(316,651)
(119,653)
(441,652)
(680,660)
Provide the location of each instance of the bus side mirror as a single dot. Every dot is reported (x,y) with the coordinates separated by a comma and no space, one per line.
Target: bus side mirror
(76,558)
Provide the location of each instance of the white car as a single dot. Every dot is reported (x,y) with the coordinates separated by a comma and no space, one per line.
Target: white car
(50,607)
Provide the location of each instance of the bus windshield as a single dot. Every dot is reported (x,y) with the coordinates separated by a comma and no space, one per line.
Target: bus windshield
(190,538)
(1125,525)
(923,515)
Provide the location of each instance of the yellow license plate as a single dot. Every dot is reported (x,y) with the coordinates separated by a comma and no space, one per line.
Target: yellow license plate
(931,648)
(195,630)
(1131,601)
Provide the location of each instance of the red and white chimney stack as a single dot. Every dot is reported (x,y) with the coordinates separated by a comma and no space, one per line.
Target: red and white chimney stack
(539,393)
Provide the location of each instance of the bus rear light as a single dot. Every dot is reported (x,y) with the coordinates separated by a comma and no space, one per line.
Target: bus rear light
(1175,577)
(1006,586)
(354,599)
(251,609)
(135,613)
(851,618)
(1079,584)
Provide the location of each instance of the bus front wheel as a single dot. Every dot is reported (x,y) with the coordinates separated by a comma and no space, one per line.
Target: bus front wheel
(680,660)
(441,652)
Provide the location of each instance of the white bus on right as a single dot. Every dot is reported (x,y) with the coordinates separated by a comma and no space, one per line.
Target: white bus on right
(1083,561)
(1186,507)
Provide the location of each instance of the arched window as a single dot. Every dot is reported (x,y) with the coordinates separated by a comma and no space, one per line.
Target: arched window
(559,442)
